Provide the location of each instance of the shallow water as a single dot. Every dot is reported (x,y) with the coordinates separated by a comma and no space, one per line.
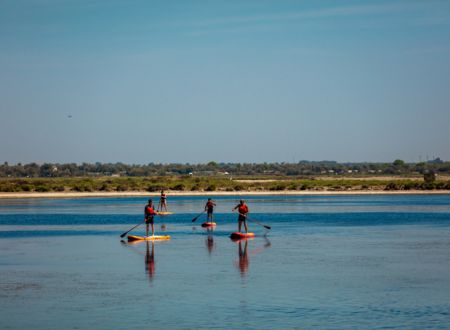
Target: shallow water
(329,262)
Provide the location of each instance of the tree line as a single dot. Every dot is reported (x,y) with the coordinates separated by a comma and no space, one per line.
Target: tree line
(302,168)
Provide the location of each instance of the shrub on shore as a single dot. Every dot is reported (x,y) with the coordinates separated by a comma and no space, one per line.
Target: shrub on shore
(42,188)
(179,187)
(211,187)
(238,187)
(155,184)
(195,187)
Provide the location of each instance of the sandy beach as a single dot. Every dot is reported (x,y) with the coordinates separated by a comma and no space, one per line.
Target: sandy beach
(4,195)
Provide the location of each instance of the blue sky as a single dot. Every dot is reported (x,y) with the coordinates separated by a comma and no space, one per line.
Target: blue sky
(231,81)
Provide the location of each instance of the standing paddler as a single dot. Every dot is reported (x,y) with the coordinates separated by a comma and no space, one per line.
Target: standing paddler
(149,213)
(209,208)
(242,218)
(162,201)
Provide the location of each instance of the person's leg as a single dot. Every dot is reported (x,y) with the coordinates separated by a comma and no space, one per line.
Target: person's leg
(146,228)
(239,226)
(245,226)
(153,230)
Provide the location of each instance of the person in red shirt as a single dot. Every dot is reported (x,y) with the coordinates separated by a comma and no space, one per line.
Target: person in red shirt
(209,208)
(149,213)
(243,210)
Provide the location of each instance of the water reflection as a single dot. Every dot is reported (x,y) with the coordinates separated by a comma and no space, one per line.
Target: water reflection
(266,245)
(150,260)
(243,261)
(149,256)
(210,244)
(243,257)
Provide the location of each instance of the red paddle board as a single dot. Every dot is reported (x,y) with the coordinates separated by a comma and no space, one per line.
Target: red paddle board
(208,224)
(238,235)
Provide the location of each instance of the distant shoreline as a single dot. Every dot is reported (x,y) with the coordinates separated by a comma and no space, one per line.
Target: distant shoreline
(14,195)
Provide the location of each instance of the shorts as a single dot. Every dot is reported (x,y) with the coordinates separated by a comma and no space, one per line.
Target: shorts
(242,218)
(149,220)
(210,211)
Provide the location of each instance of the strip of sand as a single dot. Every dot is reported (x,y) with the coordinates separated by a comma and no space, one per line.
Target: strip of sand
(5,195)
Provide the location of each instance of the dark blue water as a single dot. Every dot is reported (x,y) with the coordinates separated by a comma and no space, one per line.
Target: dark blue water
(258,204)
(328,262)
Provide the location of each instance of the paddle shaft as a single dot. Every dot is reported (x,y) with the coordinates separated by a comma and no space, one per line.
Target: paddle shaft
(253,220)
(198,216)
(132,229)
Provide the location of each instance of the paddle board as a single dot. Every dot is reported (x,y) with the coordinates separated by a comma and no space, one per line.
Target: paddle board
(209,224)
(165,213)
(148,238)
(238,235)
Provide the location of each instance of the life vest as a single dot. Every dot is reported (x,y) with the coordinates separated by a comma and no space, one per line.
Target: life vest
(149,210)
(243,209)
(210,205)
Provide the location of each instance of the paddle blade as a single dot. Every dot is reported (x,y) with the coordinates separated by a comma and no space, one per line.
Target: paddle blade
(268,227)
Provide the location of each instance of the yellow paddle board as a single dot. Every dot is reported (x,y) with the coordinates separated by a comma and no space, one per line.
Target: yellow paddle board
(165,213)
(148,238)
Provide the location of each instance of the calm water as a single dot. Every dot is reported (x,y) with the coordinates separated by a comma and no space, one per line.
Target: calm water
(340,262)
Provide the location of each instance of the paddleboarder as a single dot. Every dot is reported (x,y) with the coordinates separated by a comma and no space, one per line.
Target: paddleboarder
(209,208)
(242,218)
(149,213)
(162,201)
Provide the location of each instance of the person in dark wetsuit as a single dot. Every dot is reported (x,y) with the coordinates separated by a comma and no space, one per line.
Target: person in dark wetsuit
(162,201)
(149,213)
(242,218)
(209,208)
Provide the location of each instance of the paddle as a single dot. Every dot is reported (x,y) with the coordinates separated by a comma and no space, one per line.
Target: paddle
(198,216)
(253,220)
(132,229)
